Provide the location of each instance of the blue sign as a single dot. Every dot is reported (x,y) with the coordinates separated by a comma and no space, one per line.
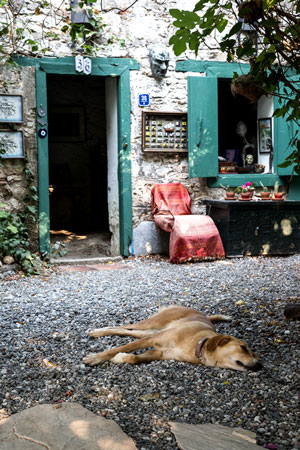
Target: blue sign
(144,99)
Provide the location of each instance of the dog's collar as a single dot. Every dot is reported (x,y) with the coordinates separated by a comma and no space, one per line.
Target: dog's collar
(199,347)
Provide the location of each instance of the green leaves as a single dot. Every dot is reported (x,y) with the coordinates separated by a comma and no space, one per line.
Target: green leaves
(221,24)
(185,19)
(179,41)
(4,30)
(15,241)
(234,30)
(202,26)
(14,227)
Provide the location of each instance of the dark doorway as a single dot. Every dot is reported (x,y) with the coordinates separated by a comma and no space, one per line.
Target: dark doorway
(78,163)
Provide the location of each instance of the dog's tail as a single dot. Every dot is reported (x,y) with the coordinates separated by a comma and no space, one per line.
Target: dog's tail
(220,318)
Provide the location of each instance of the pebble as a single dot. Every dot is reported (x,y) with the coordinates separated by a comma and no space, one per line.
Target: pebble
(47,319)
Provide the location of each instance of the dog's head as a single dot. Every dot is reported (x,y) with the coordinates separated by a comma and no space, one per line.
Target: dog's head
(230,353)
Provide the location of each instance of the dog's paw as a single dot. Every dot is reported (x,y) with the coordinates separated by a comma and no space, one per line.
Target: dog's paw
(120,358)
(227,318)
(98,332)
(92,359)
(94,333)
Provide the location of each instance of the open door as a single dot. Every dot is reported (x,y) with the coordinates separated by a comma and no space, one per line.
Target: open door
(203,126)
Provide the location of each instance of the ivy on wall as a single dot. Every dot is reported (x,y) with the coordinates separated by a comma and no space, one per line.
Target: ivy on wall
(33,29)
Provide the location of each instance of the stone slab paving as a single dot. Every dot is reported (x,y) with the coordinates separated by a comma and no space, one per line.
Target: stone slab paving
(212,437)
(89,267)
(65,426)
(86,260)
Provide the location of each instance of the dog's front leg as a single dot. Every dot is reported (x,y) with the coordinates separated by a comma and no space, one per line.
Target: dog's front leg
(98,358)
(148,356)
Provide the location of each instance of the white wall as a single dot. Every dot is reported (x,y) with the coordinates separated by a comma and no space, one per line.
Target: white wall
(112,162)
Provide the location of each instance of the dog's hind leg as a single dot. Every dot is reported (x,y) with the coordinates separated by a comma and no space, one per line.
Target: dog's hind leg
(120,331)
(155,323)
(148,356)
(98,358)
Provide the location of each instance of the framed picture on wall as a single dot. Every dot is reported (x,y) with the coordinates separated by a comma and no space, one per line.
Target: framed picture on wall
(11,142)
(265,135)
(11,108)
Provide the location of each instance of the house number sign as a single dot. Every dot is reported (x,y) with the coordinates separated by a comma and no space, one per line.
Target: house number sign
(144,99)
(83,65)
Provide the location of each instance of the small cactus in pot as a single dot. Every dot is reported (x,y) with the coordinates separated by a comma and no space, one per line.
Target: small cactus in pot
(229,192)
(265,193)
(277,195)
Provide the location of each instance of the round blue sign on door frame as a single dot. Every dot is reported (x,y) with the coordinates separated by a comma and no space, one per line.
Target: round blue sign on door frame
(144,99)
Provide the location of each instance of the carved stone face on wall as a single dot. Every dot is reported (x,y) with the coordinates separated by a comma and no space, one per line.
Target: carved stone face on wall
(159,60)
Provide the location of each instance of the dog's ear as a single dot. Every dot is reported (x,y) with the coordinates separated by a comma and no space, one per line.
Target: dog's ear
(216,341)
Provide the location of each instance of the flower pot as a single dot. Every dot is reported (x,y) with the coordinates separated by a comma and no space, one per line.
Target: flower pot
(229,195)
(278,194)
(245,195)
(246,86)
(265,195)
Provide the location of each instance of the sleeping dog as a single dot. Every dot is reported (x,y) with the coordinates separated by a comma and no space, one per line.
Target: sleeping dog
(181,334)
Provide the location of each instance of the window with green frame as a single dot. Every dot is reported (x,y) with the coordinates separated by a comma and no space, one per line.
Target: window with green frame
(213,115)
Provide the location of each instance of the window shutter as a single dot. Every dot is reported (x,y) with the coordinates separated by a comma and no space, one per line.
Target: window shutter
(283,132)
(203,126)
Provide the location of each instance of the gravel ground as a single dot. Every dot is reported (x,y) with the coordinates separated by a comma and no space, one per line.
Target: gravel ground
(44,323)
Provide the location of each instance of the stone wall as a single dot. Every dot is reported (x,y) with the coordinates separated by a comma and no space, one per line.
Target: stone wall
(12,180)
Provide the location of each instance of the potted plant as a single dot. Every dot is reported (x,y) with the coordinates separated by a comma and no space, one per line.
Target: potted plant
(229,192)
(277,195)
(247,86)
(245,194)
(246,190)
(265,193)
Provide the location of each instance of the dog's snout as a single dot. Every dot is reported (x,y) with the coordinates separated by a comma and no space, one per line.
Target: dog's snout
(258,366)
(253,367)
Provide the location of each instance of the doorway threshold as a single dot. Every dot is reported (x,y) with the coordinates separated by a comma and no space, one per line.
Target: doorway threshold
(86,261)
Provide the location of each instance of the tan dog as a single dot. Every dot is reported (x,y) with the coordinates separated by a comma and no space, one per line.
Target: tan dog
(181,334)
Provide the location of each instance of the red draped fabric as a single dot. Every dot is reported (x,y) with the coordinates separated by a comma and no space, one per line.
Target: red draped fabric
(193,237)
(172,197)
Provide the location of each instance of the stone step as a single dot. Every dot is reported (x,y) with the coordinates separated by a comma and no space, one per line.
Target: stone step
(212,437)
(84,261)
(67,426)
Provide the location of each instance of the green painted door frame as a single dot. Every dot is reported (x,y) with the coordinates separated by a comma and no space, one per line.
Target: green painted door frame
(108,67)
